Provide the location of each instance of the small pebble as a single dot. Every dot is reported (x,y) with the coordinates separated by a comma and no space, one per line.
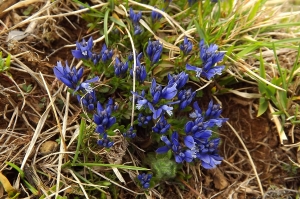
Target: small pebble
(48,147)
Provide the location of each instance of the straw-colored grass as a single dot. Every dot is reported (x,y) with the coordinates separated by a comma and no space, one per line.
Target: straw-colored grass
(25,126)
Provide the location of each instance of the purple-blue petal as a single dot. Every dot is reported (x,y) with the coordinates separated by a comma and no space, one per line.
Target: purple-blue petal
(163,149)
(188,126)
(189,142)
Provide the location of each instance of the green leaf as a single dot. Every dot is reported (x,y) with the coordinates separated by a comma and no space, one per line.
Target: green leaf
(201,32)
(295,67)
(254,10)
(28,10)
(7,62)
(250,48)
(282,74)
(22,175)
(80,139)
(31,188)
(117,21)
(263,106)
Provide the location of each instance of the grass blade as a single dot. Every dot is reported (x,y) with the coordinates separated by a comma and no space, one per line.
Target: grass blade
(106,26)
(80,138)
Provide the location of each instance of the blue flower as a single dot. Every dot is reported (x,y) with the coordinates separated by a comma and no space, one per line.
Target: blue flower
(137,29)
(194,68)
(197,111)
(213,111)
(157,92)
(142,102)
(212,115)
(212,71)
(180,154)
(143,119)
(84,49)
(155,16)
(189,142)
(208,154)
(103,118)
(120,67)
(135,17)
(209,58)
(70,77)
(187,46)
(130,57)
(130,133)
(141,73)
(95,58)
(185,97)
(105,53)
(154,50)
(111,104)
(105,142)
(180,79)
(88,101)
(160,110)
(162,126)
(198,130)
(86,85)
(144,180)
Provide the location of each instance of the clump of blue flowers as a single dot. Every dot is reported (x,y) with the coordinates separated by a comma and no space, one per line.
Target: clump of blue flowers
(209,57)
(140,69)
(198,144)
(187,46)
(144,180)
(166,106)
(135,18)
(86,95)
(154,50)
(155,16)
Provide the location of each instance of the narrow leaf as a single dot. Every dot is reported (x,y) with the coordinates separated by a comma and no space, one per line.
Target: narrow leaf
(106,26)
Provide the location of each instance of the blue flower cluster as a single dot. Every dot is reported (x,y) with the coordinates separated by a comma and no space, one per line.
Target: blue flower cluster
(88,100)
(84,51)
(155,16)
(186,47)
(120,67)
(163,98)
(141,73)
(135,18)
(178,151)
(154,50)
(71,77)
(209,58)
(144,119)
(144,179)
(198,144)
(158,103)
(104,120)
(130,133)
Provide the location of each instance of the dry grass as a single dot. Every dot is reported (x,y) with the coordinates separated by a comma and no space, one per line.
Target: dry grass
(29,125)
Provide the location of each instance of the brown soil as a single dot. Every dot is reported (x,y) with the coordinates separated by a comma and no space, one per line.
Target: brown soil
(258,134)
